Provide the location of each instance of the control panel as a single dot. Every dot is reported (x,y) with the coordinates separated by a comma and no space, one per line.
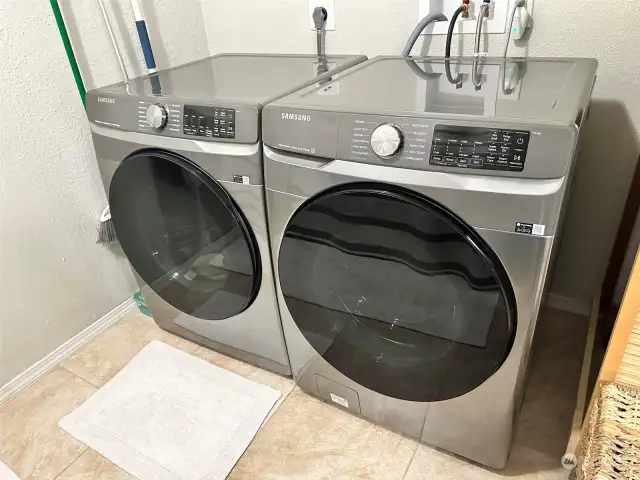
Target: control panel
(479,148)
(209,121)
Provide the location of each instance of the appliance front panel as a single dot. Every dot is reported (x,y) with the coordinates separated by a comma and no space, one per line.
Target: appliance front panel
(255,334)
(525,258)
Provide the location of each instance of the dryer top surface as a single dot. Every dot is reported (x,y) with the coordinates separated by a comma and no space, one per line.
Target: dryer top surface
(537,90)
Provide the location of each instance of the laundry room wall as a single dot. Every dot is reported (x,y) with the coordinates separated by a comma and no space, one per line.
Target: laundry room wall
(54,279)
(604,30)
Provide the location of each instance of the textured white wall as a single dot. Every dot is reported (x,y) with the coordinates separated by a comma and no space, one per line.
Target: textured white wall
(604,30)
(54,279)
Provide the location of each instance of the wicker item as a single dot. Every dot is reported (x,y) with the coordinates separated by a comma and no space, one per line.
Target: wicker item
(611,448)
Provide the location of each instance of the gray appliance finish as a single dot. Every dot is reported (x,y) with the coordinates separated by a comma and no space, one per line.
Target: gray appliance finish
(413,223)
(181,161)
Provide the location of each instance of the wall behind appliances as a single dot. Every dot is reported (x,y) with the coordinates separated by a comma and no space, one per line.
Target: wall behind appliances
(587,29)
(54,279)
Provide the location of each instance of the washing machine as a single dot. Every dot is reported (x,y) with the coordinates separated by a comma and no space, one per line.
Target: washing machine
(413,217)
(181,160)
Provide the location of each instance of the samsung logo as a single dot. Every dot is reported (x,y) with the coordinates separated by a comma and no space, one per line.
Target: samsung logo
(296,116)
(106,100)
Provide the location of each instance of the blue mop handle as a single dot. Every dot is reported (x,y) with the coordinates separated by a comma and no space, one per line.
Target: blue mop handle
(141,26)
(146,44)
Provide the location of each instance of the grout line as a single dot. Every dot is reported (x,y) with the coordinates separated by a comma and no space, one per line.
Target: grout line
(79,376)
(86,448)
(415,452)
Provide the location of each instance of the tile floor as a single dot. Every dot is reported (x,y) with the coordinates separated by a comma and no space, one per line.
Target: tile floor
(303,438)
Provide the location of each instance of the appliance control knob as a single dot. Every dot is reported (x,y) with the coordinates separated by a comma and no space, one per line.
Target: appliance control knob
(157,116)
(386,140)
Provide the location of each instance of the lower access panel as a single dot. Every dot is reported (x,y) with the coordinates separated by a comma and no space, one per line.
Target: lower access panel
(337,394)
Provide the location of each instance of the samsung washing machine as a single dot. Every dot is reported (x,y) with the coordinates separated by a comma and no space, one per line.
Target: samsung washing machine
(413,216)
(181,160)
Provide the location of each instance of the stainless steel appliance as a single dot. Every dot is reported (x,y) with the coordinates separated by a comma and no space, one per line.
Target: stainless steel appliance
(413,218)
(181,160)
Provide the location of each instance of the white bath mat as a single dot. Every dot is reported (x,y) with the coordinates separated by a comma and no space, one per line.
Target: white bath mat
(169,415)
(6,473)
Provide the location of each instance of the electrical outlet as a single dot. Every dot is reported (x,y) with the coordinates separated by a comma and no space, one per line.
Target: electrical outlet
(330,6)
(499,11)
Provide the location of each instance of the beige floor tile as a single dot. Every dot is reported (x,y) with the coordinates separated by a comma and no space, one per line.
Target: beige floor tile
(308,439)
(524,464)
(104,356)
(273,380)
(92,465)
(31,443)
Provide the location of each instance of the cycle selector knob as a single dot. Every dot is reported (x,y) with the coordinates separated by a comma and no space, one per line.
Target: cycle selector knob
(386,140)
(157,116)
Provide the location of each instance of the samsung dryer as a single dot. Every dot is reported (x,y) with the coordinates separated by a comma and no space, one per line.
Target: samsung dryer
(181,160)
(413,218)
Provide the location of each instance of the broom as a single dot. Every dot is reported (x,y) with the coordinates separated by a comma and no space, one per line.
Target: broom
(106,230)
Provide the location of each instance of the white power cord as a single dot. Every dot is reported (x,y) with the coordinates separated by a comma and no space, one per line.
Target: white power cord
(524,17)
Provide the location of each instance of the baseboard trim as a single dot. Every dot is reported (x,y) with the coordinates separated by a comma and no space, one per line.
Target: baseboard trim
(38,369)
(568,304)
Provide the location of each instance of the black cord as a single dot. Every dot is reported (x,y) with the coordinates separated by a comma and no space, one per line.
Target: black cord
(452,23)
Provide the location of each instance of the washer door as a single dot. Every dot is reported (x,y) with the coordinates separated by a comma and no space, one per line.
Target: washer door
(184,235)
(396,292)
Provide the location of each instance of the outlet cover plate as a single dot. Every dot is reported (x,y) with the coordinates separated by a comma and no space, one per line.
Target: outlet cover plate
(330,6)
(496,23)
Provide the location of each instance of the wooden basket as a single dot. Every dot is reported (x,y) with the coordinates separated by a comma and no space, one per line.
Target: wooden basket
(611,448)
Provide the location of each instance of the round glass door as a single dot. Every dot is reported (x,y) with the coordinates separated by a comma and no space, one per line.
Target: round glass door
(184,235)
(396,292)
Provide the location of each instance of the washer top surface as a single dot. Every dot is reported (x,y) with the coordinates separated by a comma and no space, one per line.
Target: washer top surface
(235,78)
(526,89)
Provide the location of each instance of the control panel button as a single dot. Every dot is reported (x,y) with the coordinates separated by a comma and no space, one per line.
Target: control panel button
(493,148)
(503,160)
(520,141)
(386,140)
(462,161)
(477,162)
(517,157)
(504,150)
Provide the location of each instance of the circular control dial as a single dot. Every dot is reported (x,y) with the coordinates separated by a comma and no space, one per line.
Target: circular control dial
(386,140)
(157,116)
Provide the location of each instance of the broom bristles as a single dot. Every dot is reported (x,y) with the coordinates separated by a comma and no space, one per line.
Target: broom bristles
(107,233)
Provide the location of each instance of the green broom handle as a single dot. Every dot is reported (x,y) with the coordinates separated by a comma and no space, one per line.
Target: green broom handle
(69,49)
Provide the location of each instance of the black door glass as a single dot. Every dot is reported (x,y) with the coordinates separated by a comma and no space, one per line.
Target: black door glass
(184,235)
(396,292)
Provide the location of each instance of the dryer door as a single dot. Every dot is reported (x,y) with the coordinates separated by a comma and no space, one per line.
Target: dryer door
(396,292)
(184,235)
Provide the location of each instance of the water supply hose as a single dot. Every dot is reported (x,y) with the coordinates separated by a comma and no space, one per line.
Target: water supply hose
(422,24)
(69,50)
(484,12)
